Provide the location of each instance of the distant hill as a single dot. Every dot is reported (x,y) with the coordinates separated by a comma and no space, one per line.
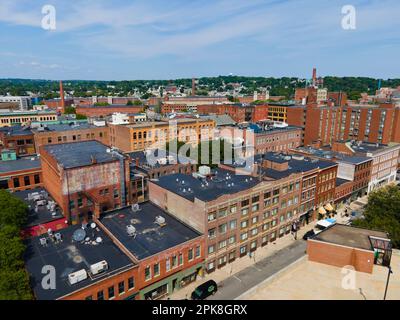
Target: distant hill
(284,86)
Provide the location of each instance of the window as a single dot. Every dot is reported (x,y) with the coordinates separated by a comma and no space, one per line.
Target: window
(211,233)
(121,287)
(244,236)
(245,212)
(147,274)
(156,269)
(36,178)
(211,249)
(232,240)
(16,182)
(255,208)
(233,209)
(212,216)
(253,245)
(232,224)
(222,244)
(197,253)
(180,259)
(255,199)
(223,213)
(26,181)
(100,295)
(222,228)
(131,283)
(244,224)
(245,202)
(243,250)
(174,261)
(254,232)
(111,292)
(167,264)
(190,254)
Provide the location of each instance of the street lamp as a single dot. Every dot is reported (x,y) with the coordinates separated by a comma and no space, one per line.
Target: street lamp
(387,281)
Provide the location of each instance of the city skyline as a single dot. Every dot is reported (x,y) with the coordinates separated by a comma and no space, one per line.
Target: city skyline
(94,40)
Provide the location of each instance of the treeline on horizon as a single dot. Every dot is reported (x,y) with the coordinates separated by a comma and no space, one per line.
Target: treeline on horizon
(284,86)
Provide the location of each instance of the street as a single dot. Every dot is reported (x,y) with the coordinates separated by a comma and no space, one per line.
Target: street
(237,284)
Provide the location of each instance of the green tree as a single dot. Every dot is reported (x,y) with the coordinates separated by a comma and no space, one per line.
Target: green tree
(382,212)
(12,210)
(14,285)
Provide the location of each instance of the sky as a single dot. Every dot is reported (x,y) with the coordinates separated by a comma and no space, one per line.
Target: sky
(170,39)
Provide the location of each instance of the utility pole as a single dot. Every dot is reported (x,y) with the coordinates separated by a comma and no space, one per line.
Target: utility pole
(387,281)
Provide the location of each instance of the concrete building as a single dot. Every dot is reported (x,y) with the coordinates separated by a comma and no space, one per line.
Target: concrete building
(69,132)
(85,178)
(24,102)
(152,134)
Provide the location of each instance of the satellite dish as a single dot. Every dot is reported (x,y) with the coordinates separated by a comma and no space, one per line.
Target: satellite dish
(93,225)
(99,240)
(79,235)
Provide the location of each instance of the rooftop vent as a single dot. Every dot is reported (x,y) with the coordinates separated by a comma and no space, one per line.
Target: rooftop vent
(98,267)
(160,221)
(131,230)
(135,207)
(77,276)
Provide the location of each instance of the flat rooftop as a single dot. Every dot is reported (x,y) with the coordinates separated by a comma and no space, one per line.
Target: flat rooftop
(296,164)
(150,238)
(65,127)
(43,214)
(79,154)
(16,130)
(69,256)
(366,147)
(206,189)
(349,236)
(20,164)
(336,156)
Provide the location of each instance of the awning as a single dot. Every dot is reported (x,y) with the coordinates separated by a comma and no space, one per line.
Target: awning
(329,207)
(321,210)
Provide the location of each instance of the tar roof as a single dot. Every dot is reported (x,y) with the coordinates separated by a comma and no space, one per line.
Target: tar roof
(207,189)
(43,214)
(340,181)
(150,160)
(69,256)
(150,238)
(349,236)
(79,154)
(66,127)
(20,164)
(295,165)
(16,130)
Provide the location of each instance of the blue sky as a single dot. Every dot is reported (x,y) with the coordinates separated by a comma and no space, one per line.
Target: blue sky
(168,39)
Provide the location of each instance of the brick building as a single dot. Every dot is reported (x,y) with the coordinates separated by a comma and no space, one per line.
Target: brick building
(85,178)
(342,245)
(18,139)
(20,173)
(69,132)
(240,213)
(140,136)
(26,117)
(104,111)
(238,112)
(155,256)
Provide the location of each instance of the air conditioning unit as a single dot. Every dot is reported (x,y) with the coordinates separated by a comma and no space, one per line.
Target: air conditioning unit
(99,267)
(160,221)
(77,276)
(131,230)
(41,203)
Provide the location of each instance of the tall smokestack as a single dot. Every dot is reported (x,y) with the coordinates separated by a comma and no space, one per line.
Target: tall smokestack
(314,77)
(62,97)
(193,86)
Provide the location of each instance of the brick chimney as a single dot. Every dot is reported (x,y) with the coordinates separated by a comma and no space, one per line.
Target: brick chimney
(62,97)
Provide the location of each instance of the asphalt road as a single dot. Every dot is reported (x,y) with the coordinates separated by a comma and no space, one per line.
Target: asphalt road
(237,284)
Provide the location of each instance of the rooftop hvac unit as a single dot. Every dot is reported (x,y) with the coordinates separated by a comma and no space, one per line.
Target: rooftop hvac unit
(204,170)
(77,276)
(160,221)
(297,157)
(135,207)
(32,195)
(37,197)
(58,236)
(131,230)
(41,203)
(43,241)
(99,267)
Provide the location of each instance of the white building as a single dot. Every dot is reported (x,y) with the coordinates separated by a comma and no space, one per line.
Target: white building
(23,101)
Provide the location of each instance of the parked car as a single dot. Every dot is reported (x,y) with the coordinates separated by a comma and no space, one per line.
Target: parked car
(205,290)
(308,234)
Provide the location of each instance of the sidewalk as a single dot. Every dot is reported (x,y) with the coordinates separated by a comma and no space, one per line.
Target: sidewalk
(240,264)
